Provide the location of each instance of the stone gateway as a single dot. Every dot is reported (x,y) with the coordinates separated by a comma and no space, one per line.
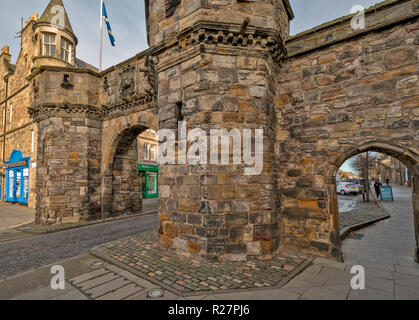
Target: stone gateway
(320,97)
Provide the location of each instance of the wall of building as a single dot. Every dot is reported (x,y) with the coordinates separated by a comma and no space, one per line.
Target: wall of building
(335,101)
(21,131)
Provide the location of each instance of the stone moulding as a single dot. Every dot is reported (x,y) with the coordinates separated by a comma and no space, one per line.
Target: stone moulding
(231,35)
(225,37)
(43,111)
(106,111)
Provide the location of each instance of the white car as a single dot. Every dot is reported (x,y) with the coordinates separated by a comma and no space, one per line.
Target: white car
(348,188)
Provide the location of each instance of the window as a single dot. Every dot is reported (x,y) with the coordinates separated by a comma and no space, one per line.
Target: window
(146,155)
(153,153)
(33,142)
(49,47)
(178,111)
(65,50)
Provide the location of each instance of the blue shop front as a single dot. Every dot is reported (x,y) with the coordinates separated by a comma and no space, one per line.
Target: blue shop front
(17,178)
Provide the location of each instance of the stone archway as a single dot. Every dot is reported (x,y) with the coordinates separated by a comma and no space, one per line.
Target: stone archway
(408,157)
(121,185)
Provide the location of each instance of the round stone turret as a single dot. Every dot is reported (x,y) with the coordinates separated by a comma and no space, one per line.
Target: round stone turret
(55,42)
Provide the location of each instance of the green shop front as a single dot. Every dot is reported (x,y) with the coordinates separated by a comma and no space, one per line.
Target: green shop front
(150,179)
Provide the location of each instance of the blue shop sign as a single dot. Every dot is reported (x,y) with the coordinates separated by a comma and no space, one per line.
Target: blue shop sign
(17,178)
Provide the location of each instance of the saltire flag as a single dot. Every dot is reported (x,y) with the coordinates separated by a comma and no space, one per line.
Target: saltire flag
(108,25)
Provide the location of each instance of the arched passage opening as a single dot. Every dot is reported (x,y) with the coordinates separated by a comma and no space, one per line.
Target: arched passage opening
(409,158)
(123,183)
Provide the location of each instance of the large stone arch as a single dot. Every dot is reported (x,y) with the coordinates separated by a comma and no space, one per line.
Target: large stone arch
(120,184)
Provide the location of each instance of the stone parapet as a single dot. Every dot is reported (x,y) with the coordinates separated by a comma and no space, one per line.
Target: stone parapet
(382,15)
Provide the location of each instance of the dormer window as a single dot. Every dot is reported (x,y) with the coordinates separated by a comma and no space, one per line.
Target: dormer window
(65,50)
(49,45)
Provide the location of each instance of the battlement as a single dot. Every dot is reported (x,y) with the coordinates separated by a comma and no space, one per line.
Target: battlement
(168,18)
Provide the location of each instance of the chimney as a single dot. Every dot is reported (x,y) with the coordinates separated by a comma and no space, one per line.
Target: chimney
(5,55)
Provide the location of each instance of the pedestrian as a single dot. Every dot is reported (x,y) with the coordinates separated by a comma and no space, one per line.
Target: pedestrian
(377,186)
(388,182)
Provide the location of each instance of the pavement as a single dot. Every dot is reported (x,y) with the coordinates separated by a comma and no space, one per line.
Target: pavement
(361,215)
(385,250)
(14,215)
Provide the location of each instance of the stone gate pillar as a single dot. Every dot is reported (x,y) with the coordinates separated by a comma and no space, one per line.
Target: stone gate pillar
(68,169)
(415,186)
(216,71)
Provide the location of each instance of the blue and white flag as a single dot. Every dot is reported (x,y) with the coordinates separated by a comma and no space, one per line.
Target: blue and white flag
(108,25)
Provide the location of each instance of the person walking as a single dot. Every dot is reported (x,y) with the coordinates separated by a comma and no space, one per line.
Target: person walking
(388,182)
(377,186)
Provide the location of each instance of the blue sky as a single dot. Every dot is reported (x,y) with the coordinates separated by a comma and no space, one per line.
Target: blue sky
(128,23)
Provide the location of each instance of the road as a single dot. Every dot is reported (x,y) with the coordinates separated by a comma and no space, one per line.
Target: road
(346,203)
(21,255)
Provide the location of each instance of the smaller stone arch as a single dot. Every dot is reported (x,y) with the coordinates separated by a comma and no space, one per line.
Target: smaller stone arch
(121,186)
(408,156)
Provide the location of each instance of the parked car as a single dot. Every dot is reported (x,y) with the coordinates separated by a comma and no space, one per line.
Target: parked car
(348,188)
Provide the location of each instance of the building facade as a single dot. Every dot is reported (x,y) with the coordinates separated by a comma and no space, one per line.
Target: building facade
(148,147)
(395,171)
(319,97)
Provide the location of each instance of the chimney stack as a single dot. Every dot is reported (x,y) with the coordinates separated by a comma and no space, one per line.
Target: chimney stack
(5,55)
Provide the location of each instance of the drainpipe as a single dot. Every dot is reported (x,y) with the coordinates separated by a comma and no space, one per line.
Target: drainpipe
(6,80)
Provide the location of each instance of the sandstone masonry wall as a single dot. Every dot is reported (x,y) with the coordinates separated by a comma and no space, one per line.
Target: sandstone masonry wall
(333,101)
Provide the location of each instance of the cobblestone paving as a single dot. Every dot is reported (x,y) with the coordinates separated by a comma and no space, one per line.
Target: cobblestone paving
(364,212)
(183,275)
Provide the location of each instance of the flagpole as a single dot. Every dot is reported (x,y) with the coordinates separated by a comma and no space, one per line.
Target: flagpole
(101,35)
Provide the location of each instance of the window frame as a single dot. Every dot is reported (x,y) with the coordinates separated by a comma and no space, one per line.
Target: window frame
(69,51)
(153,152)
(49,44)
(146,153)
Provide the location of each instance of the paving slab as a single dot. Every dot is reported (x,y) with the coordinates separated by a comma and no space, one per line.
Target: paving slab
(72,295)
(45,293)
(278,294)
(406,293)
(326,293)
(370,294)
(109,287)
(122,293)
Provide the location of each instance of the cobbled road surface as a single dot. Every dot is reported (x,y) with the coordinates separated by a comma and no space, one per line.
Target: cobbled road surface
(22,255)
